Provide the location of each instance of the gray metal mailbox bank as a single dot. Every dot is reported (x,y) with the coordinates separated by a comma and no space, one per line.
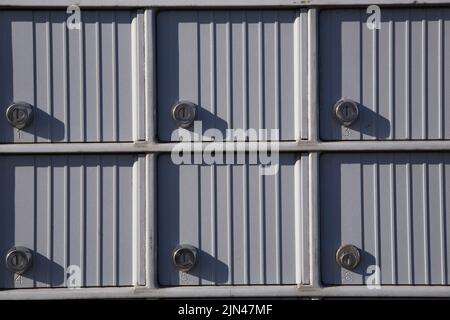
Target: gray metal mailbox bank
(224,148)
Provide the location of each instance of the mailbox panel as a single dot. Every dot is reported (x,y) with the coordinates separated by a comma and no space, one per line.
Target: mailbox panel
(244,70)
(248,228)
(80,82)
(79,215)
(396,74)
(394,208)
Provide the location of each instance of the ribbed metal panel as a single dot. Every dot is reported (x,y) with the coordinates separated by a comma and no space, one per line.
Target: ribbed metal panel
(249,228)
(73,210)
(80,82)
(394,207)
(398,73)
(245,69)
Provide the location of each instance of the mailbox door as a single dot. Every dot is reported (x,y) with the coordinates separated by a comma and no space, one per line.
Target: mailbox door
(243,69)
(396,74)
(76,215)
(82,83)
(393,208)
(248,228)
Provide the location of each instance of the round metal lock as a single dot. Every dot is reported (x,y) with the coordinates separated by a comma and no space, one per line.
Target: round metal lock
(19,260)
(348,257)
(184,257)
(346,111)
(19,114)
(184,113)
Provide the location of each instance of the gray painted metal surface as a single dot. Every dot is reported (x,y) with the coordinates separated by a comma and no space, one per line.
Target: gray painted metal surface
(396,74)
(242,68)
(393,207)
(80,82)
(72,210)
(383,191)
(250,229)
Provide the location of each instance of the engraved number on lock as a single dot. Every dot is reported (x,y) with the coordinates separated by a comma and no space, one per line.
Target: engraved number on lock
(348,276)
(18,278)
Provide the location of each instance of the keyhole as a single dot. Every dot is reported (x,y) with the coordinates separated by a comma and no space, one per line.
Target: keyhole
(19,115)
(185,259)
(182,114)
(348,260)
(15,260)
(346,111)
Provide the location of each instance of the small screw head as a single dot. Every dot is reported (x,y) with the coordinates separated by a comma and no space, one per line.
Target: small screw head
(346,111)
(19,114)
(184,257)
(348,257)
(19,260)
(184,113)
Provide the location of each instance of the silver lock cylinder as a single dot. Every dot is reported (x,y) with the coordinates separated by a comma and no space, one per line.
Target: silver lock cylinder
(19,260)
(184,113)
(348,257)
(346,111)
(19,114)
(184,257)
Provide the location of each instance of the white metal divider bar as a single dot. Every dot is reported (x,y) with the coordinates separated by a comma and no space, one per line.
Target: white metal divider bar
(284,146)
(209,3)
(297,74)
(225,291)
(139,220)
(151,178)
(138,83)
(314,220)
(313,181)
(313,157)
(298,215)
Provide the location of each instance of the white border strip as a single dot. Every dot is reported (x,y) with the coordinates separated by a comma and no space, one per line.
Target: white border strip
(284,146)
(135,221)
(298,221)
(134,76)
(211,3)
(224,291)
(297,75)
